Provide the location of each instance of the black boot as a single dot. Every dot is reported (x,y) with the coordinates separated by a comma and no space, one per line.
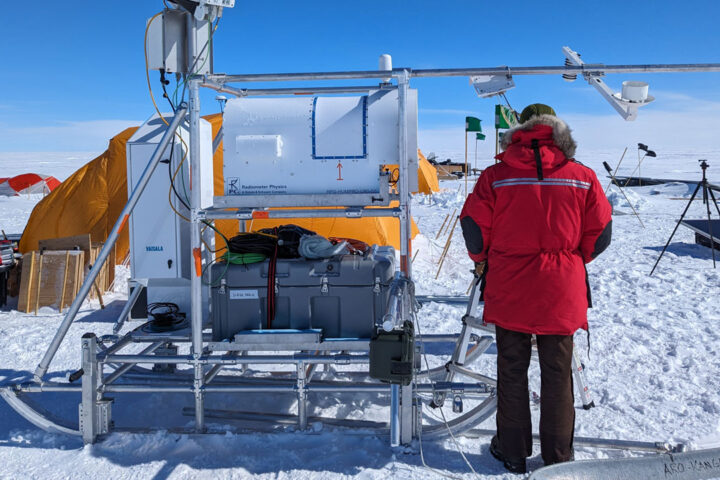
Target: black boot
(511,464)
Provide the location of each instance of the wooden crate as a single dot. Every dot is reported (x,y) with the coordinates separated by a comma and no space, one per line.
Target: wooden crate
(51,278)
(91,250)
(447,171)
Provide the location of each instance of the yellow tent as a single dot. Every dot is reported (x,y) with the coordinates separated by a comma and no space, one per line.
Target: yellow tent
(91,200)
(427,175)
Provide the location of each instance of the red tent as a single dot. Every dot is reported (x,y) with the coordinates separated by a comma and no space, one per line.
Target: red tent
(28,183)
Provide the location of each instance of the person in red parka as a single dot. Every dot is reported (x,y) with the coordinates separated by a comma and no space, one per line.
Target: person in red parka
(531,224)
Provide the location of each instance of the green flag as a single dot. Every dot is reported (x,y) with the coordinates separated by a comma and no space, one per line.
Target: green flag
(472,124)
(480,136)
(504,117)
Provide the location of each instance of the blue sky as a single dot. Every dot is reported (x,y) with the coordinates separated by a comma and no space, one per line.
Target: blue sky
(76,72)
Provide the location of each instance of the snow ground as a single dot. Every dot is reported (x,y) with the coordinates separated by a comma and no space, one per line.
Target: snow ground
(653,366)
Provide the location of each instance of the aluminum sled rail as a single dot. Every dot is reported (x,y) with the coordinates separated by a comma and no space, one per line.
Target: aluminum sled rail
(214,81)
(109,244)
(681,466)
(465,422)
(34,414)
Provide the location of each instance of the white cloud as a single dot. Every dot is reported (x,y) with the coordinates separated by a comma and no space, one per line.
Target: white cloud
(90,135)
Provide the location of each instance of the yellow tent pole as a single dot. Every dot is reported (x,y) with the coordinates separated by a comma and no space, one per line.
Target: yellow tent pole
(442,226)
(447,247)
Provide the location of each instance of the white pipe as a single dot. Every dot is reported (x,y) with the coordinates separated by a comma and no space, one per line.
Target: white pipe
(695,465)
(395,415)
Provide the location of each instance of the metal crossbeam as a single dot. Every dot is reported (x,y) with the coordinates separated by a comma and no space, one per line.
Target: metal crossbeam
(590,69)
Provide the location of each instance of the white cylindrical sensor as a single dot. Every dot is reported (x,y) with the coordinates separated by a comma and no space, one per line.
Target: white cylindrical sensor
(385,63)
(635,91)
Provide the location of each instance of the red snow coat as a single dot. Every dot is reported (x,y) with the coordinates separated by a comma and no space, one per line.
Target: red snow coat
(537,218)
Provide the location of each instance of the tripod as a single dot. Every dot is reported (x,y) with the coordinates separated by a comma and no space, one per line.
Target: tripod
(707,195)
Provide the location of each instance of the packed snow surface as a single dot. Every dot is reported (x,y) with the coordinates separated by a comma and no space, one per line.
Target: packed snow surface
(653,366)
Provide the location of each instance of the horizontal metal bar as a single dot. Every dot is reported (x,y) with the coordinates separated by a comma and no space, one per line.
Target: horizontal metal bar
(360,345)
(451,387)
(256,92)
(355,345)
(453,300)
(141,337)
(385,388)
(231,360)
(249,388)
(48,387)
(369,388)
(224,214)
(466,72)
(351,388)
(589,441)
(222,78)
(437,338)
(280,419)
(559,70)
(381,198)
(147,388)
(289,388)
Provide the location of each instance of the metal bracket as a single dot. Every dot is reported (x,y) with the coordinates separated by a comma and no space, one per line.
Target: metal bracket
(94,413)
(376,287)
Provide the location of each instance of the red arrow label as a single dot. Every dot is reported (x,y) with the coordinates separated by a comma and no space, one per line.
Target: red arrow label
(339,167)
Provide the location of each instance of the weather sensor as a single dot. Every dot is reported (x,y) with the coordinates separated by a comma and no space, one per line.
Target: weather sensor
(634,94)
(488,85)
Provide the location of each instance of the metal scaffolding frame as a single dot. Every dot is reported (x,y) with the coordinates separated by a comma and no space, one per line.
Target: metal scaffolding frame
(406,414)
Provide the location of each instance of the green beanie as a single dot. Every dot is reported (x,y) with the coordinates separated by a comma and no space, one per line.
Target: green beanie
(534,110)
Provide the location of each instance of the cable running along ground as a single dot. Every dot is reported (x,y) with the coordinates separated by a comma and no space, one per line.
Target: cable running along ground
(442,413)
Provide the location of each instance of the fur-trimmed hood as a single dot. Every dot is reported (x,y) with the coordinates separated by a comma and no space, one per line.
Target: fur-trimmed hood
(561,136)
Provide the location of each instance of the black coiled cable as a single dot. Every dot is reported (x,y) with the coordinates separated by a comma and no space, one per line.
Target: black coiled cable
(164,316)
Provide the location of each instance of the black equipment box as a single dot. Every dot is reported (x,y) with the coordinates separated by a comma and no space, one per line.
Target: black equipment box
(392,355)
(346,296)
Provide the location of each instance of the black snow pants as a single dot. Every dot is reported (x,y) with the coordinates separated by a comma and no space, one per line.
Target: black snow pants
(557,410)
